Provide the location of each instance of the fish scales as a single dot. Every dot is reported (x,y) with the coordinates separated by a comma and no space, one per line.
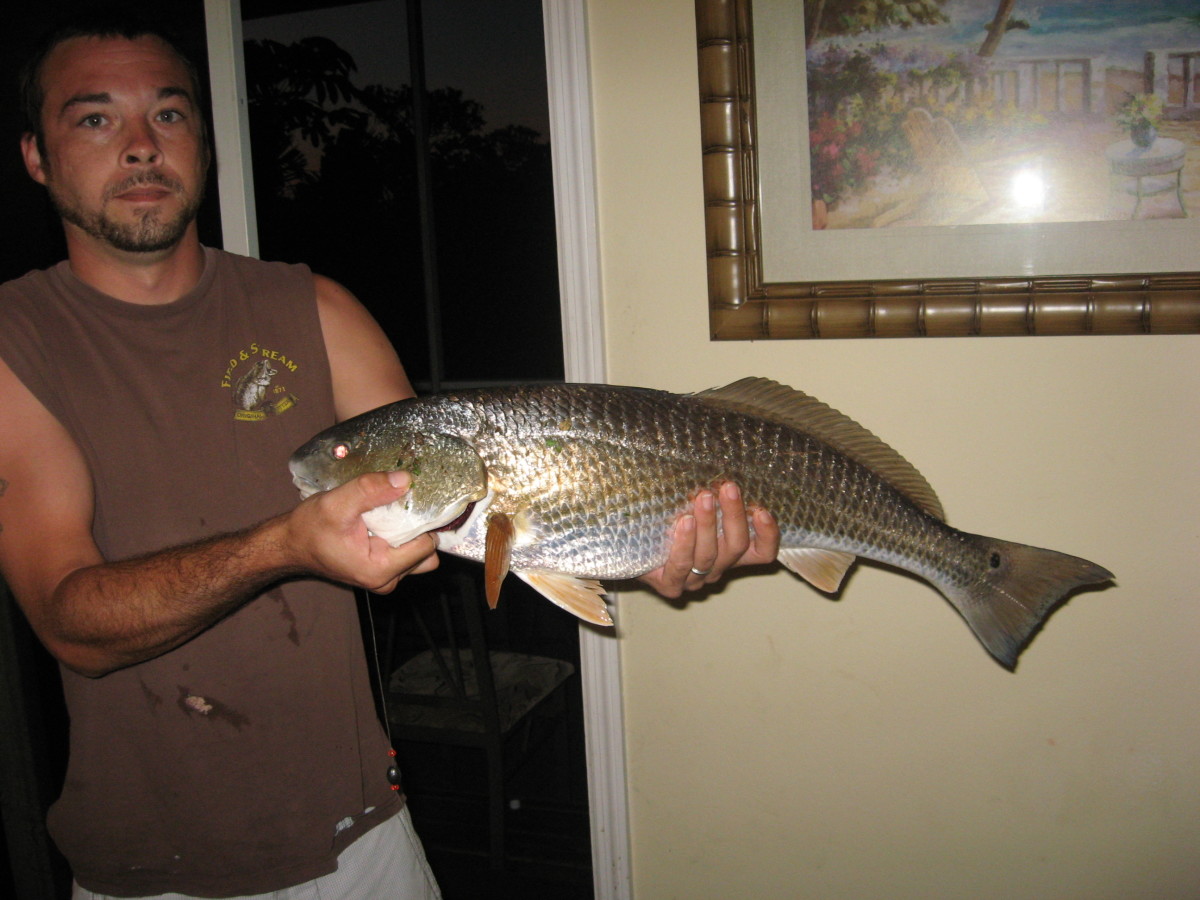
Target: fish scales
(593,477)
(599,484)
(632,464)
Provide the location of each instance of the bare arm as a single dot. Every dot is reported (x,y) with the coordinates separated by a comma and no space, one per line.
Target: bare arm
(109,615)
(96,616)
(366,370)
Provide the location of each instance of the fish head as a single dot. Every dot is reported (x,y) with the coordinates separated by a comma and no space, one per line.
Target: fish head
(447,475)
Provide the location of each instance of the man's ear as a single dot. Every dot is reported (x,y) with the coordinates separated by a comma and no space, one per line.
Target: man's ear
(33,157)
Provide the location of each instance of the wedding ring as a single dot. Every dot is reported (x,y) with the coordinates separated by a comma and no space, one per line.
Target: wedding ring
(696,571)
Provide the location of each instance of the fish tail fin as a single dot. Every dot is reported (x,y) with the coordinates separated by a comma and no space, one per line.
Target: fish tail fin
(1017,591)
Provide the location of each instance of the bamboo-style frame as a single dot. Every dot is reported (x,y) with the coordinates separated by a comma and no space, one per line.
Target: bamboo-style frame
(744,307)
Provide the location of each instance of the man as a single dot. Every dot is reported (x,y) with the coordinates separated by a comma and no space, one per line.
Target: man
(223,735)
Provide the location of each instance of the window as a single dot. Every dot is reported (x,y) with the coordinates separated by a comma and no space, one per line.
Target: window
(449,240)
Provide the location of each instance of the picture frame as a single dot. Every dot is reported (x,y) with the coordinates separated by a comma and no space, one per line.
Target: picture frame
(745,305)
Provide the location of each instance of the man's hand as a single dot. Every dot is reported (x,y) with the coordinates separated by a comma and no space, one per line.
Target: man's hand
(329,530)
(701,553)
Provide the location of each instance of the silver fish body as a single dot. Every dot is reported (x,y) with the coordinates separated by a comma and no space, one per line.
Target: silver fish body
(567,484)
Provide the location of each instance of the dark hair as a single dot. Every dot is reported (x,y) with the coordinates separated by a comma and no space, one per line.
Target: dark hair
(116,21)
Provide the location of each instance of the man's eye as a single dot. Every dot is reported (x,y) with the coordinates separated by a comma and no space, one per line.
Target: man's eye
(95,120)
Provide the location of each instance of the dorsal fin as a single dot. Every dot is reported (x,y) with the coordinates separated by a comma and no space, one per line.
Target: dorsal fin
(787,406)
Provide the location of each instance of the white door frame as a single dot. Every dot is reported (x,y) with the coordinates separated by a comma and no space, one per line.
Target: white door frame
(231,125)
(572,148)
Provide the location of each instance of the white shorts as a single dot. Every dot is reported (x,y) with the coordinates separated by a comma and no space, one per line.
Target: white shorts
(386,863)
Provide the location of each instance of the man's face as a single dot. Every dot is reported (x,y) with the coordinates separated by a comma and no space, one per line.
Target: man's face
(124,159)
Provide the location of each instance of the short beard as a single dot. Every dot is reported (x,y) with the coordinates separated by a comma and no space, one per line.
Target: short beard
(149,234)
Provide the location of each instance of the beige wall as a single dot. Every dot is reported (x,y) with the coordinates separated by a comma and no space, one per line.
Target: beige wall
(784,744)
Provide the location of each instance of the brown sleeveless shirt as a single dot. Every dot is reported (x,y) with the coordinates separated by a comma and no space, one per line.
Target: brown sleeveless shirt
(229,765)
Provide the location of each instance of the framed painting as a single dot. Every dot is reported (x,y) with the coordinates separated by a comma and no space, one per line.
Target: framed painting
(913,168)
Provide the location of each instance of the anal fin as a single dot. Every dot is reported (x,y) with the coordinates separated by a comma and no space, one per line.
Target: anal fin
(497,555)
(582,597)
(823,569)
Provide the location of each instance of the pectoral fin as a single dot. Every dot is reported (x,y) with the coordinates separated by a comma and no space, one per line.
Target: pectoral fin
(579,596)
(497,555)
(823,569)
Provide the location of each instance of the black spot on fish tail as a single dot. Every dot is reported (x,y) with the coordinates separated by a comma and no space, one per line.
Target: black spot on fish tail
(1009,601)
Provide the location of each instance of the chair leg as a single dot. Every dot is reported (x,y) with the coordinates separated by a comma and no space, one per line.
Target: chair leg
(496,807)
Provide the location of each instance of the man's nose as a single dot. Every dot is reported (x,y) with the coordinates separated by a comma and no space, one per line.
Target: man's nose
(141,148)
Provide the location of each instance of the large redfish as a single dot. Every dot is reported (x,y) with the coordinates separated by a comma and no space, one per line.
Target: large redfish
(568,484)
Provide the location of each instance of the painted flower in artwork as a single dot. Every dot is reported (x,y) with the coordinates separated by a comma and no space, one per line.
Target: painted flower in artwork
(1141,111)
(1141,115)
(839,160)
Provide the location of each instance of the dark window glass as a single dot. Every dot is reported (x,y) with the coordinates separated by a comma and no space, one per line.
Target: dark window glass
(337,179)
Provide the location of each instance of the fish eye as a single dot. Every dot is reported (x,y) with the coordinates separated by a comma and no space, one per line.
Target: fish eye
(340,451)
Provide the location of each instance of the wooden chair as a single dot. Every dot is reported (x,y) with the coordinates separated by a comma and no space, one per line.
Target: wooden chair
(941,157)
(456,690)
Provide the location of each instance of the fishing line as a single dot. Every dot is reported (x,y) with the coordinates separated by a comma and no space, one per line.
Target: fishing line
(393,772)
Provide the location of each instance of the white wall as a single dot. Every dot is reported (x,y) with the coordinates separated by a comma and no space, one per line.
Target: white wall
(784,744)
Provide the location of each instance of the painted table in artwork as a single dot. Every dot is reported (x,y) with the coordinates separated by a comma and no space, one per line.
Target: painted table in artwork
(1149,170)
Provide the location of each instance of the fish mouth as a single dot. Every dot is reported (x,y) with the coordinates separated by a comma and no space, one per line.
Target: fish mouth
(456,523)
(306,486)
(397,523)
